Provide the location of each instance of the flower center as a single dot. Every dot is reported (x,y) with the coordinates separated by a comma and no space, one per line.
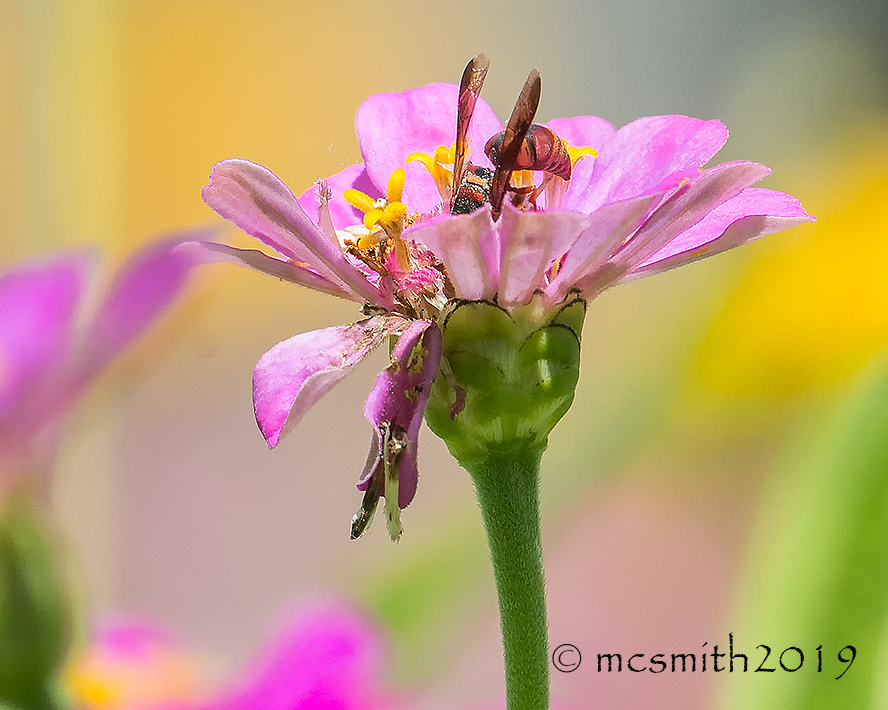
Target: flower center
(419,281)
(383,217)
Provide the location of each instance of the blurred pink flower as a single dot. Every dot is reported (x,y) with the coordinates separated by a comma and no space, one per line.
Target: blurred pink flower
(327,657)
(133,664)
(382,234)
(52,346)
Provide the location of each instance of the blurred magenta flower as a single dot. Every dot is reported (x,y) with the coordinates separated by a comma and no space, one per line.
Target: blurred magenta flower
(381,233)
(326,657)
(52,345)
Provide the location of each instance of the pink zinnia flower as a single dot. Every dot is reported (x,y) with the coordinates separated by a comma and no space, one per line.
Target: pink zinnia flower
(326,657)
(381,233)
(52,346)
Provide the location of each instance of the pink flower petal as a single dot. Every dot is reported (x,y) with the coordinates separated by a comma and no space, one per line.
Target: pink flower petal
(398,399)
(296,373)
(392,126)
(687,206)
(531,242)
(325,658)
(683,208)
(131,638)
(209,252)
(143,289)
(45,363)
(38,302)
(344,215)
(609,227)
(260,204)
(752,214)
(643,155)
(583,131)
(468,244)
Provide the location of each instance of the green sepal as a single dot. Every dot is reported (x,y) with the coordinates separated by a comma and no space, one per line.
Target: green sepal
(507,377)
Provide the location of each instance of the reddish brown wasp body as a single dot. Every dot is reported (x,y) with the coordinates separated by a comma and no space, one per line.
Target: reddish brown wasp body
(523,145)
(541,149)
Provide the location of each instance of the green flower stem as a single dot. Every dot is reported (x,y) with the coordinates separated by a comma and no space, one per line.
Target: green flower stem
(507,485)
(507,377)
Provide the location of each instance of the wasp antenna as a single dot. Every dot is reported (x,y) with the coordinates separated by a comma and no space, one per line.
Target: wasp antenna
(516,130)
(469,90)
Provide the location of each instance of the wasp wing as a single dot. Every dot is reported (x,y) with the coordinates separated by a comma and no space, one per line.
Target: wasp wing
(469,90)
(516,130)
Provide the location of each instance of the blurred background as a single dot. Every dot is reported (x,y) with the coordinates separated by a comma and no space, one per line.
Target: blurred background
(724,466)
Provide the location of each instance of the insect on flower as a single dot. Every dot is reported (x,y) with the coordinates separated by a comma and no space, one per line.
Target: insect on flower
(523,146)
(427,241)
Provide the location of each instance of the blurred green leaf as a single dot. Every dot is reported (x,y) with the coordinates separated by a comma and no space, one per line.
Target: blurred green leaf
(428,592)
(34,615)
(818,568)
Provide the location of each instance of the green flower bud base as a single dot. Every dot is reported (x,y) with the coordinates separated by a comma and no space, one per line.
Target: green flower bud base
(506,380)
(507,377)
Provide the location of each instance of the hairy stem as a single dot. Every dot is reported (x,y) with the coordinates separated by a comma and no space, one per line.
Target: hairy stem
(508,493)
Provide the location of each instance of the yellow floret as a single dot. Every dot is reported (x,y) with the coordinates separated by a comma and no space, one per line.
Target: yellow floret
(577,152)
(359,200)
(395,187)
(440,167)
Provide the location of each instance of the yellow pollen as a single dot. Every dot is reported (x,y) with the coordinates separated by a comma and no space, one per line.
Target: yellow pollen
(439,165)
(395,187)
(427,160)
(372,217)
(105,683)
(578,152)
(371,240)
(445,155)
(389,216)
(384,218)
(387,211)
(359,200)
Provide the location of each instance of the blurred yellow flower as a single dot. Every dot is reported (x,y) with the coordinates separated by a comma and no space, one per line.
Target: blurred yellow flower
(812,307)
